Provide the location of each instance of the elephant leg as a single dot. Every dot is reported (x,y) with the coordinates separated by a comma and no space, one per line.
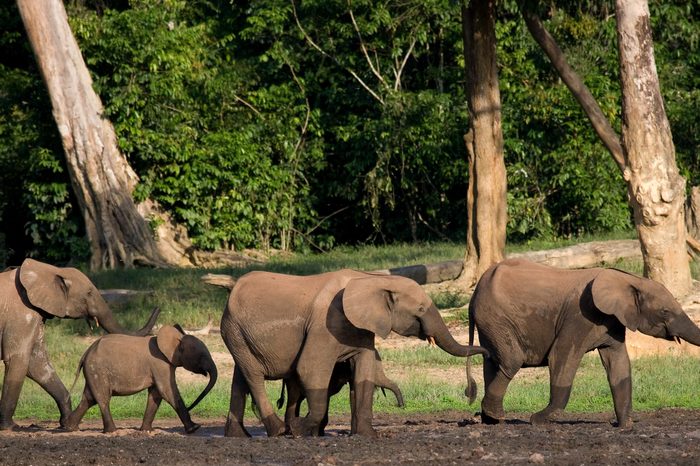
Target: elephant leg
(363,388)
(42,372)
(170,393)
(496,381)
(315,378)
(152,405)
(295,395)
(107,420)
(617,365)
(274,426)
(239,392)
(76,416)
(563,363)
(15,372)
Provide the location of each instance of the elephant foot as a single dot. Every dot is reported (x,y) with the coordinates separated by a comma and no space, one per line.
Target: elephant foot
(542,417)
(490,420)
(235,429)
(295,427)
(367,432)
(274,426)
(69,427)
(192,428)
(624,424)
(8,425)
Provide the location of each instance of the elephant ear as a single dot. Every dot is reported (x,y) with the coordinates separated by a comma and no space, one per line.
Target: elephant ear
(368,303)
(168,339)
(45,286)
(614,294)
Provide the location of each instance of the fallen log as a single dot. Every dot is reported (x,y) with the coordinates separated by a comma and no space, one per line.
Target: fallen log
(576,256)
(584,254)
(216,279)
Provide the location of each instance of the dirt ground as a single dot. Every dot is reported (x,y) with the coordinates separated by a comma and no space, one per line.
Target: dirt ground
(668,436)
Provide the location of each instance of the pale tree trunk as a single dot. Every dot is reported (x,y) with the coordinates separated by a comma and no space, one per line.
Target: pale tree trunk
(103,182)
(486,195)
(656,189)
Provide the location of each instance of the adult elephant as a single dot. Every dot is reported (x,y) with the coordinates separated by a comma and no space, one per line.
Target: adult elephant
(275,325)
(532,315)
(29,295)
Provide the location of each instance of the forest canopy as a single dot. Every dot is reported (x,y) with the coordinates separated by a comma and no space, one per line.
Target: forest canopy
(303,125)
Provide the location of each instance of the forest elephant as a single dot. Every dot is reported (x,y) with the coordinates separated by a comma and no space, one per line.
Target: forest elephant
(533,315)
(29,295)
(342,374)
(124,365)
(276,325)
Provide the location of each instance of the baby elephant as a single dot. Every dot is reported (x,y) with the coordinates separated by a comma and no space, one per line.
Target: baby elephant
(124,365)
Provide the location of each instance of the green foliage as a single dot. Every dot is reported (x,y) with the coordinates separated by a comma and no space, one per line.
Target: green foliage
(37,211)
(307,125)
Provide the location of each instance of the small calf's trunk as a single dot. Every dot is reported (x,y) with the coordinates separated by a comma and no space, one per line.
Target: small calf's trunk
(212,381)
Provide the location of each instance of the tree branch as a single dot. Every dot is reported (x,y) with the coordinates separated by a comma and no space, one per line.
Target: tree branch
(313,44)
(375,71)
(397,83)
(573,81)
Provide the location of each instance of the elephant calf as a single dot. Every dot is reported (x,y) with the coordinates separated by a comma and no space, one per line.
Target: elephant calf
(342,374)
(124,365)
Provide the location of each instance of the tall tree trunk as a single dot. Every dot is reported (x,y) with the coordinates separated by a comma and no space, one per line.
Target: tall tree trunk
(486,196)
(656,189)
(118,229)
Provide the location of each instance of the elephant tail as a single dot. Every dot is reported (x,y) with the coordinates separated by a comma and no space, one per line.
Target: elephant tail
(81,364)
(280,401)
(470,391)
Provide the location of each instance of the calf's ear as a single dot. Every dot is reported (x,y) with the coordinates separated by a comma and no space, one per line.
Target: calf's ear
(614,294)
(168,340)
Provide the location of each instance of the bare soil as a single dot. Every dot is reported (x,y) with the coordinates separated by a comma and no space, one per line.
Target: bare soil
(669,436)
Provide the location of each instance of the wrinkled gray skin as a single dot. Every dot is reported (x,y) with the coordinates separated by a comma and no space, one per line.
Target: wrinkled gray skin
(531,315)
(123,365)
(29,295)
(277,325)
(342,374)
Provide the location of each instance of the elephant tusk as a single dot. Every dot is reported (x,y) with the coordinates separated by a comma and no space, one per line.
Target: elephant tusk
(431,341)
(678,339)
(97,322)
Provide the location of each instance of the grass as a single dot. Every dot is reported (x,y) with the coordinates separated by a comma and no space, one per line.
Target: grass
(430,379)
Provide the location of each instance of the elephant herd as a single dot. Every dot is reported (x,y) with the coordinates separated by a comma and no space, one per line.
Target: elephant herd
(317,333)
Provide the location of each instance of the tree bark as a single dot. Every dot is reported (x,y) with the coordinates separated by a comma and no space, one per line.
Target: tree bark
(573,81)
(656,189)
(486,195)
(118,230)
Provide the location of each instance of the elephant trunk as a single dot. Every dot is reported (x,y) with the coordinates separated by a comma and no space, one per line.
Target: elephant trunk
(682,327)
(432,325)
(397,393)
(211,371)
(106,320)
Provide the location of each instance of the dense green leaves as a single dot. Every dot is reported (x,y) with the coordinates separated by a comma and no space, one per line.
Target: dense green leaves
(304,124)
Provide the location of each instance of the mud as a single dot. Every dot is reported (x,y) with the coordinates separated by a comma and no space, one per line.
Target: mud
(669,436)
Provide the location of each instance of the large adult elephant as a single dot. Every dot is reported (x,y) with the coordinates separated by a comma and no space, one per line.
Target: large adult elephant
(532,315)
(29,295)
(276,325)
